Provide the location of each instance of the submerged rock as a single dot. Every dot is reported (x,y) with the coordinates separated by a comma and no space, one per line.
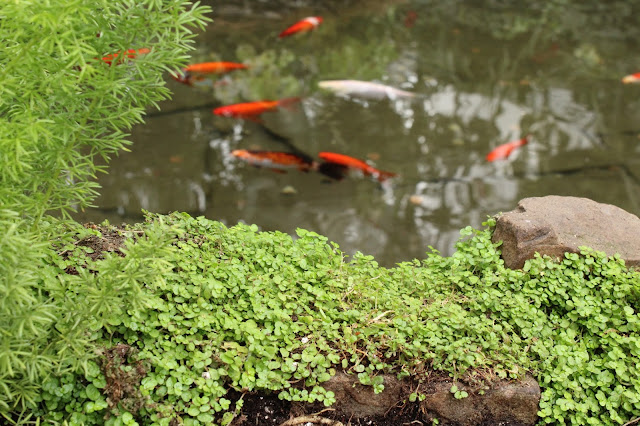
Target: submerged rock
(554,225)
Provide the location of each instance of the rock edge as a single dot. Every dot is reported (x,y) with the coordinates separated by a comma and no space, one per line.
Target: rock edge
(555,225)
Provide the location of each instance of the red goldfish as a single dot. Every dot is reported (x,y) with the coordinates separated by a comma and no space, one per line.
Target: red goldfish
(275,160)
(354,163)
(119,57)
(410,18)
(306,24)
(196,72)
(503,151)
(631,78)
(250,110)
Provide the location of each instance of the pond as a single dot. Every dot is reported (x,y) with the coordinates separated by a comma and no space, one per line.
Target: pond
(484,74)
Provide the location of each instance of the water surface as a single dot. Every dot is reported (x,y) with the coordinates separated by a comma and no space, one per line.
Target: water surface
(485,74)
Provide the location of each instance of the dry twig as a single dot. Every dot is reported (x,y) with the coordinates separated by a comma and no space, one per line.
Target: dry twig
(316,420)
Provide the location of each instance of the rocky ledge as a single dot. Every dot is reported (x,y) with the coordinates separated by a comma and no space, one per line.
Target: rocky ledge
(504,403)
(555,225)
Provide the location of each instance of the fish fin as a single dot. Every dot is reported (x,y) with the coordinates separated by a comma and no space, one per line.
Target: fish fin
(279,171)
(251,118)
(202,82)
(332,170)
(181,78)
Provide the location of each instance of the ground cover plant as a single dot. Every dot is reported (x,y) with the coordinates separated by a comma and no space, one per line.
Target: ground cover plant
(231,311)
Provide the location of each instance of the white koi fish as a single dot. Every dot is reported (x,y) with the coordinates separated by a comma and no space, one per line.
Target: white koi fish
(364,89)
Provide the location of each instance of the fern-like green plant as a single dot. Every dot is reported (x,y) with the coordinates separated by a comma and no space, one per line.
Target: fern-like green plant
(62,108)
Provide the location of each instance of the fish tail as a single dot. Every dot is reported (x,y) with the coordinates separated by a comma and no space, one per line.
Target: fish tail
(383,176)
(183,77)
(289,102)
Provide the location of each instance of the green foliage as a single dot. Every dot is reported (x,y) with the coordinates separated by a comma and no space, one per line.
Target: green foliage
(576,320)
(188,314)
(238,311)
(54,311)
(457,393)
(62,109)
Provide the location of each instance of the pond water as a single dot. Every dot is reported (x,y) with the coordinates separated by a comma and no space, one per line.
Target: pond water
(485,74)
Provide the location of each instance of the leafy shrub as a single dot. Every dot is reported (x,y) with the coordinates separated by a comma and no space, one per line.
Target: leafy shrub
(250,311)
(62,109)
(576,320)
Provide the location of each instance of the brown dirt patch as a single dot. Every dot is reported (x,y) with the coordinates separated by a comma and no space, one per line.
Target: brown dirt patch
(123,383)
(268,410)
(111,240)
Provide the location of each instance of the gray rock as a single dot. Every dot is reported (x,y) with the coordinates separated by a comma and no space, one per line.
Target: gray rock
(514,402)
(555,225)
(358,400)
(504,403)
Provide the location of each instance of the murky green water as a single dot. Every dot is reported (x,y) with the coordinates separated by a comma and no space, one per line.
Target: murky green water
(486,74)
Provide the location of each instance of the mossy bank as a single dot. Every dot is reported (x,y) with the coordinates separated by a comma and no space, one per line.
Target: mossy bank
(188,318)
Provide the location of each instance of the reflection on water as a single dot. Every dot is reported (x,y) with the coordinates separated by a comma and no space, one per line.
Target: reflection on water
(477,88)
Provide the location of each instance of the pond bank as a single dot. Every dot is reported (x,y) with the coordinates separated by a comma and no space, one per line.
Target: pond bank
(231,315)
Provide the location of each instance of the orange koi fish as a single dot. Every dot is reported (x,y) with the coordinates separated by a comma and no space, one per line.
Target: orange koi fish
(410,18)
(250,110)
(196,72)
(631,78)
(503,151)
(277,161)
(354,163)
(307,24)
(119,57)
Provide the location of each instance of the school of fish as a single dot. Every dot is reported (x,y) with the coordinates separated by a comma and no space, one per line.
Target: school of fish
(333,165)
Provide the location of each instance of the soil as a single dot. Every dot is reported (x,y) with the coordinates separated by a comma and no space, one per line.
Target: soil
(111,240)
(268,410)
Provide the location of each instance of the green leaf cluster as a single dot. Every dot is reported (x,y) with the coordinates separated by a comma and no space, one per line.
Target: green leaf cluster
(239,310)
(55,313)
(576,320)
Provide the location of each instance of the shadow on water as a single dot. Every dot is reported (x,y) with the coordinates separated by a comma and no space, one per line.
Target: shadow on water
(485,73)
